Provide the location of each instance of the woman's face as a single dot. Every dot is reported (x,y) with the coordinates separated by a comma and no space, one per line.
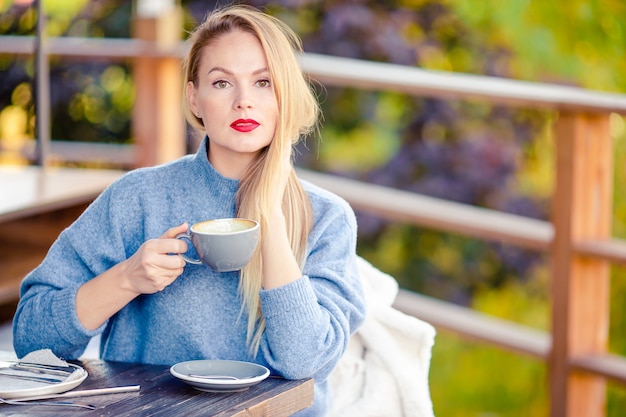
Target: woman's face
(235,99)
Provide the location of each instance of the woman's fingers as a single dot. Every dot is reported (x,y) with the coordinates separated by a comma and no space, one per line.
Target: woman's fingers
(155,265)
(172,232)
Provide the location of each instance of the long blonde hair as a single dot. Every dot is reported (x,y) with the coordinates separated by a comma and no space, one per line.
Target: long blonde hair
(298,113)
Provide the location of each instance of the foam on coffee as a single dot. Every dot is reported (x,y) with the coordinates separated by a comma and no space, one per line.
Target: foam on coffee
(223,226)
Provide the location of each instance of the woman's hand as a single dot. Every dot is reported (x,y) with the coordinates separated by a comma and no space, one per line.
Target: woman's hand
(153,267)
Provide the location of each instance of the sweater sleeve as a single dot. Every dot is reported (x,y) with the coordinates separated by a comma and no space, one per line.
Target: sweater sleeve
(309,322)
(46,314)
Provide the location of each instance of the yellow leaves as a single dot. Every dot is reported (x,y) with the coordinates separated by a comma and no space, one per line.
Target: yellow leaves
(370,143)
(60,14)
(618,126)
(524,303)
(117,82)
(22,95)
(13,134)
(618,132)
(15,131)
(434,58)
(13,122)
(106,100)
(535,175)
(362,148)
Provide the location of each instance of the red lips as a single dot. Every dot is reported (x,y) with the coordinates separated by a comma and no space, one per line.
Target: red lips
(244,125)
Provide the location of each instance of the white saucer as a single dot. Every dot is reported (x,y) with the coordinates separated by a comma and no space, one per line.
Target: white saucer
(37,388)
(219,375)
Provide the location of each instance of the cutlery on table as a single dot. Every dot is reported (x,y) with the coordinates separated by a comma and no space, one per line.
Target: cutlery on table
(81,393)
(53,403)
(35,400)
(34,378)
(38,368)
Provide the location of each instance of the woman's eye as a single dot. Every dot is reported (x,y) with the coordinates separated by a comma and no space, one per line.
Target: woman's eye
(263,83)
(221,84)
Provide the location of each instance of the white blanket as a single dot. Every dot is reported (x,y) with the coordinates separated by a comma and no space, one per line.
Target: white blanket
(384,372)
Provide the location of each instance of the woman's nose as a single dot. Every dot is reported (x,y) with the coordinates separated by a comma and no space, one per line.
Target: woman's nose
(244,99)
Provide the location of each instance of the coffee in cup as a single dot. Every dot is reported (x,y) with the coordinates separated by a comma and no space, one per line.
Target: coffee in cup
(223,244)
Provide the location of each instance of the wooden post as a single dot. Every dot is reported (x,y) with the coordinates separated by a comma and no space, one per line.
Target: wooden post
(158,125)
(582,209)
(42,88)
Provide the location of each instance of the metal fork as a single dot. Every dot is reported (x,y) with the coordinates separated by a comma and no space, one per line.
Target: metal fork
(57,403)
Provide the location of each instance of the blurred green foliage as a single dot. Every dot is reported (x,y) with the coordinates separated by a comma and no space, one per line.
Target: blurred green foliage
(575,42)
(473,380)
(578,42)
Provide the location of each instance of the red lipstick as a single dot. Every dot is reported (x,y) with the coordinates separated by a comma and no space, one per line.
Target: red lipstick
(244,125)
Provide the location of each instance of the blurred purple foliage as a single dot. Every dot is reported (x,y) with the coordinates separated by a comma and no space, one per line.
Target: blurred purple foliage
(472,158)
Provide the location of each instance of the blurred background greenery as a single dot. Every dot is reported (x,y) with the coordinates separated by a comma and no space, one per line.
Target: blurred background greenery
(470,152)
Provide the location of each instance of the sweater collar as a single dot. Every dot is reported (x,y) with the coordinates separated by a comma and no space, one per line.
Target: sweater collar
(211,174)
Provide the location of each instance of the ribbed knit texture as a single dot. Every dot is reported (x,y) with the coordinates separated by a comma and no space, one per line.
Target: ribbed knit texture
(308,322)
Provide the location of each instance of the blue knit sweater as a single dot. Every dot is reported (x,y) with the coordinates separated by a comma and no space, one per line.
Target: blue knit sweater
(308,322)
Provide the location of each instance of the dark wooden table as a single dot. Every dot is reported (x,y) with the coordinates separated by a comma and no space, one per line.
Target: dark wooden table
(163,395)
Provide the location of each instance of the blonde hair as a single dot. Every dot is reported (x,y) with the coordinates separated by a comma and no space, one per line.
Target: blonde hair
(298,113)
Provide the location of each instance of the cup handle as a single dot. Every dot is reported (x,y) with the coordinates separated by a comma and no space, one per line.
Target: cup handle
(182,255)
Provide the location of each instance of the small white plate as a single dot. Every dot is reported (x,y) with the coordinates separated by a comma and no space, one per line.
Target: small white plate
(219,375)
(72,381)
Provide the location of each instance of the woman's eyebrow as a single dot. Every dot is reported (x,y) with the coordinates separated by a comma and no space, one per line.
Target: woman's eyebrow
(219,69)
(225,71)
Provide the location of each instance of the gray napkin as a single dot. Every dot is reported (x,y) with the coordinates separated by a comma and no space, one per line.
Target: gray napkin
(43,357)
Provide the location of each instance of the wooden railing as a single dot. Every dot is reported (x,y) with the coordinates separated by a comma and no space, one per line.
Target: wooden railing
(577,239)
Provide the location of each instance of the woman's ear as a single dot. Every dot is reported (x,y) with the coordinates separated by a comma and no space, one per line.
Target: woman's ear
(192,97)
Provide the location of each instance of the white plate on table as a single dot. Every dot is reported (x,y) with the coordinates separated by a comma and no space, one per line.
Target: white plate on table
(219,375)
(21,389)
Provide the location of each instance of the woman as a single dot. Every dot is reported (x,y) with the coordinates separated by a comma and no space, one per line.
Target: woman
(114,271)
